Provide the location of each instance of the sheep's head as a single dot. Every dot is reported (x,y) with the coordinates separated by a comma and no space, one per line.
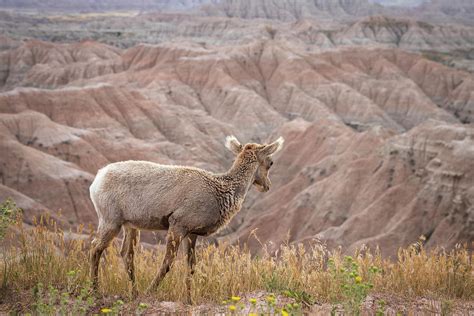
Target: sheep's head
(262,154)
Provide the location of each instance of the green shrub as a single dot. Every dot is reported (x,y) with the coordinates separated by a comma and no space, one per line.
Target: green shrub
(354,287)
(8,215)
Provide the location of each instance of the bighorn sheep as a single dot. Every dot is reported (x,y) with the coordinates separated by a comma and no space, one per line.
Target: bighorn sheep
(185,201)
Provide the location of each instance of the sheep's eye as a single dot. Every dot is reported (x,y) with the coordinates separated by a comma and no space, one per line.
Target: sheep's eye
(271,163)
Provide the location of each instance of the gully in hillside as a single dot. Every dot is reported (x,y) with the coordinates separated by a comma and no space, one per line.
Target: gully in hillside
(186,201)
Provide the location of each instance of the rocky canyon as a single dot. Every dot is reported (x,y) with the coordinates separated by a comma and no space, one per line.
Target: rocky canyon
(376,105)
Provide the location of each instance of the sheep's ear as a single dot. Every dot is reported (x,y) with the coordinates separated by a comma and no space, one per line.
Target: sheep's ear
(233,144)
(272,148)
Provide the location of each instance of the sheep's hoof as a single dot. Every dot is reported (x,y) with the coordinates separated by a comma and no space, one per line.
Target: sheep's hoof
(151,289)
(189,300)
(94,290)
(134,293)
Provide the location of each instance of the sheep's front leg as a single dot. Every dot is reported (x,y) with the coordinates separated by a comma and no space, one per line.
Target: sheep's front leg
(191,253)
(173,240)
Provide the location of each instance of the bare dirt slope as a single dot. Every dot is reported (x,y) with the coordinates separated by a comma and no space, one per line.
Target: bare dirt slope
(379,139)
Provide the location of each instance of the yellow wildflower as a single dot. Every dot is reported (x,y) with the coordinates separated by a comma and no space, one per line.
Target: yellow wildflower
(232,308)
(235,298)
(358,279)
(253,301)
(253,314)
(106,310)
(284,313)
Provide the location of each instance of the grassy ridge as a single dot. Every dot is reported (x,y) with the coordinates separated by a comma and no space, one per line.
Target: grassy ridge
(47,256)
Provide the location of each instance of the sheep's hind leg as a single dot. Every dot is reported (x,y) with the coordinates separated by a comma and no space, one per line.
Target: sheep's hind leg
(127,252)
(105,234)
(173,240)
(191,253)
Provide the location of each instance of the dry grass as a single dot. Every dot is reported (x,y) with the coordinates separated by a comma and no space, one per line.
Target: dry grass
(44,255)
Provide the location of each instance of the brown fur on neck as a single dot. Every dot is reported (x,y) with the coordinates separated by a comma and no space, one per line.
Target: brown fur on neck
(244,166)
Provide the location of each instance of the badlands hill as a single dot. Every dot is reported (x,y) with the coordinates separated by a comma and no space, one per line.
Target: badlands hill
(102,5)
(458,11)
(290,10)
(379,138)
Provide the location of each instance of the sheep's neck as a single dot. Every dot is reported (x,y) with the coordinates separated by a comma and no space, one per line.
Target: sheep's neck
(241,175)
